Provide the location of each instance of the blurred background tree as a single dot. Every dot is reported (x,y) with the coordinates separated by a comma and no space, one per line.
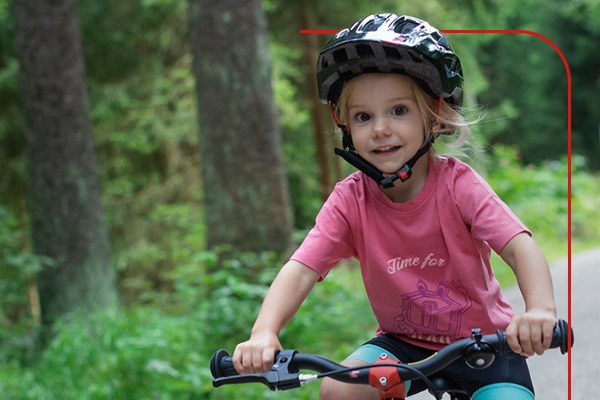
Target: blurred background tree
(245,193)
(67,221)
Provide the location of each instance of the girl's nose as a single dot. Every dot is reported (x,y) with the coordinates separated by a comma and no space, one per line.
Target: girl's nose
(380,127)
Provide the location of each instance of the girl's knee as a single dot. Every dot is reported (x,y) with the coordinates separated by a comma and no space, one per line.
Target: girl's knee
(331,390)
(501,391)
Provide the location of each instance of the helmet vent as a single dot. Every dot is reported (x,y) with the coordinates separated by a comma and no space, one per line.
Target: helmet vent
(404,27)
(415,57)
(340,56)
(391,52)
(371,68)
(369,26)
(364,50)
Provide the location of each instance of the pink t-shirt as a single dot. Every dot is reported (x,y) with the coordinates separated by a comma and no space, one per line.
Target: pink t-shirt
(426,262)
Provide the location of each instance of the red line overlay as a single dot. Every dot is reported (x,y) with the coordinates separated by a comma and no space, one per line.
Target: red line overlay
(569,148)
(319,31)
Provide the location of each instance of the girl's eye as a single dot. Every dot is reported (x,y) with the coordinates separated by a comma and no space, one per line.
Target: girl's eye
(362,117)
(399,110)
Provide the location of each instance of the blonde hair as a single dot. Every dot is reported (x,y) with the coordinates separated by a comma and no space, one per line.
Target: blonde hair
(449,119)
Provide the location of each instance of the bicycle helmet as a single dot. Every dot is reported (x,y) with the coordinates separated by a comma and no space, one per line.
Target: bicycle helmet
(391,43)
(388,43)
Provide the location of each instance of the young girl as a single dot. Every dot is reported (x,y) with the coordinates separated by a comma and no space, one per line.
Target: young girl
(422,225)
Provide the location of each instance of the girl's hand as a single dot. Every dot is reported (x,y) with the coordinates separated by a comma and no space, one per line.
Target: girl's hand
(531,333)
(257,354)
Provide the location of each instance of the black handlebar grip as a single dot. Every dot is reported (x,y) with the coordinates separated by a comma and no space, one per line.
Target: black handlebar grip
(560,338)
(221,365)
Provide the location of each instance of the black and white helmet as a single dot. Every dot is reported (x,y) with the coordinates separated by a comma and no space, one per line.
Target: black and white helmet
(391,43)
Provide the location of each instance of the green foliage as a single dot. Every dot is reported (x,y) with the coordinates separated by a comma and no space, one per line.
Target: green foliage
(171,234)
(123,38)
(149,353)
(141,354)
(583,21)
(585,204)
(335,319)
(538,194)
(144,114)
(234,285)
(17,284)
(296,127)
(527,82)
(12,142)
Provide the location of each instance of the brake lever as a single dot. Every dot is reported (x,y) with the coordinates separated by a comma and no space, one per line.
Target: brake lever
(266,378)
(281,376)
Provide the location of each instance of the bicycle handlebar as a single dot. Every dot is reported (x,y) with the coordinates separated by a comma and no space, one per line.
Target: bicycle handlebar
(479,352)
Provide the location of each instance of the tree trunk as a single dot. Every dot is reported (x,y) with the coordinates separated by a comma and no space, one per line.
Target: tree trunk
(245,192)
(64,190)
(310,51)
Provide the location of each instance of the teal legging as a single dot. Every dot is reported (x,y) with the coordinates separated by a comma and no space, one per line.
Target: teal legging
(503,391)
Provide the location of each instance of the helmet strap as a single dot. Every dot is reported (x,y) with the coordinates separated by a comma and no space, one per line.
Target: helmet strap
(352,157)
(345,132)
(349,154)
(405,172)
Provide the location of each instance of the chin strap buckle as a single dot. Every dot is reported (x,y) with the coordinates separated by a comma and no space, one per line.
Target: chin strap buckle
(363,165)
(403,174)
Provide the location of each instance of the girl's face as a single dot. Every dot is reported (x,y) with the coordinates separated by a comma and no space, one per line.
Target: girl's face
(385,122)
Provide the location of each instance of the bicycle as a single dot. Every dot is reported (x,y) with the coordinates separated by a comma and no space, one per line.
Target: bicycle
(478,351)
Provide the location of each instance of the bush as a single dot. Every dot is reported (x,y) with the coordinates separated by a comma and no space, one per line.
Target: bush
(585,204)
(539,196)
(138,354)
(148,353)
(19,308)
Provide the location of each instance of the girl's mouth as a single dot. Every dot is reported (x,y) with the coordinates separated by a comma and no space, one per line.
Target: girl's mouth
(386,149)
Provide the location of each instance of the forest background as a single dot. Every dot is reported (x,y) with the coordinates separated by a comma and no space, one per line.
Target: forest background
(181,298)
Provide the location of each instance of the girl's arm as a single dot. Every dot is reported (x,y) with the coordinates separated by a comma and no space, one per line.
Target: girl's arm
(531,332)
(285,296)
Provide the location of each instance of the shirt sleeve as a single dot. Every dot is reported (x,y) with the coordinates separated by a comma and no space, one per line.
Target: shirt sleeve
(487,216)
(331,239)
